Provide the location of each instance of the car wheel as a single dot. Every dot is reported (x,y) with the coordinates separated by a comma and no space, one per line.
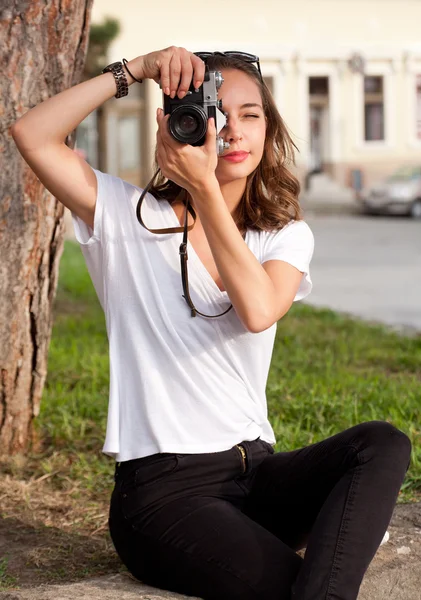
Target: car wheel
(366,210)
(416,209)
(371,212)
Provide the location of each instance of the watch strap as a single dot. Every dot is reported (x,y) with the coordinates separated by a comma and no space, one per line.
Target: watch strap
(120,78)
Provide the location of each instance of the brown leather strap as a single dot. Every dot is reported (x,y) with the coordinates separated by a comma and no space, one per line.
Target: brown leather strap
(183,247)
(139,216)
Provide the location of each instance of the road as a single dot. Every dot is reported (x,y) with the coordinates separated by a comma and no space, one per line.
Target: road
(369,267)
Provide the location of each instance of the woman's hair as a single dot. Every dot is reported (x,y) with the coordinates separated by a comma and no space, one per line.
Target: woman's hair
(270,199)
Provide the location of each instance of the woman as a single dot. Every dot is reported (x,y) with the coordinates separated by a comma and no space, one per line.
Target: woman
(202,504)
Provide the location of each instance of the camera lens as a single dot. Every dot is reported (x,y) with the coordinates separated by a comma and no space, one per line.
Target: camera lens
(188,123)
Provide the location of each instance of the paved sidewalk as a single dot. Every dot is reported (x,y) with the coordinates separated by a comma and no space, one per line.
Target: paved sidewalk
(368,267)
(325,196)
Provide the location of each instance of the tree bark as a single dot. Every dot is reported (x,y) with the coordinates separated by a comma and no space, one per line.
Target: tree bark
(43,45)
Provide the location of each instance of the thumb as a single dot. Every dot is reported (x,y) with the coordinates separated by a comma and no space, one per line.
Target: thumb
(211,134)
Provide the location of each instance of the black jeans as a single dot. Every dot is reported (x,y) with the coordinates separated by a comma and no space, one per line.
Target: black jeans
(219,527)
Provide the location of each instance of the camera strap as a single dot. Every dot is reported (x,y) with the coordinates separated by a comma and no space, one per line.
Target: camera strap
(183,246)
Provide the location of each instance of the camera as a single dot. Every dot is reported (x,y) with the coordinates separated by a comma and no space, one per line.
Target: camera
(189,116)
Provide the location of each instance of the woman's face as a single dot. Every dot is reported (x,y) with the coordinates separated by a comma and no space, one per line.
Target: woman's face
(245,129)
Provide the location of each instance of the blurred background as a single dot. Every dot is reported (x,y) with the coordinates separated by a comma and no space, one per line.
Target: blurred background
(345,74)
(346,77)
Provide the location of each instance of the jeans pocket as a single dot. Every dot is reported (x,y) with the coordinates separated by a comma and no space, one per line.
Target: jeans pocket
(139,490)
(153,471)
(268,446)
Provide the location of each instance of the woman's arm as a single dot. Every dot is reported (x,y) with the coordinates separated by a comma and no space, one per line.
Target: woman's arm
(260,294)
(51,121)
(40,138)
(40,134)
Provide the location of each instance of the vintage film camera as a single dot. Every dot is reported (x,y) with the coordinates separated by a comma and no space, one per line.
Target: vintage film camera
(189,116)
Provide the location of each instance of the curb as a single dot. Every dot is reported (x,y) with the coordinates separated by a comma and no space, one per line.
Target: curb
(329,208)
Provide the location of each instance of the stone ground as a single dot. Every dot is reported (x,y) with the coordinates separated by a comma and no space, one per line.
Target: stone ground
(394,574)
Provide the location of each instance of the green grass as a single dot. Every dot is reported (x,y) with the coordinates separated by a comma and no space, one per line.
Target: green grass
(6,580)
(328,372)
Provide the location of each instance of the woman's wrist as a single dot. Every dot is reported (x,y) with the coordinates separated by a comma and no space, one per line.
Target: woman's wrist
(135,67)
(208,187)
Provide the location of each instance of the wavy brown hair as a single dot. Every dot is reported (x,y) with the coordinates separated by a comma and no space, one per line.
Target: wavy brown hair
(270,199)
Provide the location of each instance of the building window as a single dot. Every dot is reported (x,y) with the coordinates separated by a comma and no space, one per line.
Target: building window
(318,86)
(318,89)
(418,107)
(373,108)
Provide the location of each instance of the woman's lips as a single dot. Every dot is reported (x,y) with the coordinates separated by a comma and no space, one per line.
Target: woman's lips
(236,157)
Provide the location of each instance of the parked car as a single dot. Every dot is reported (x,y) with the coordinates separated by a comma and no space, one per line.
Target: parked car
(400,193)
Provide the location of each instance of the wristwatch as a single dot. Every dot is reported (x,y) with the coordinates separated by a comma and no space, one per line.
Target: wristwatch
(117,70)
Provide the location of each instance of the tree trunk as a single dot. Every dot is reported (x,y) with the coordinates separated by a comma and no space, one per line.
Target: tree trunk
(43,46)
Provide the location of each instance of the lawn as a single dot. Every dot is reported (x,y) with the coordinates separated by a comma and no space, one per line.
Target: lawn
(328,372)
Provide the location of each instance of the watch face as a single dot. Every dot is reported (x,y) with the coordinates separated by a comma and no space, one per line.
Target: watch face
(114,65)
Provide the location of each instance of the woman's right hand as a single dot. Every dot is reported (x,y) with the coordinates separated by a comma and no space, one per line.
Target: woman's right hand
(174,68)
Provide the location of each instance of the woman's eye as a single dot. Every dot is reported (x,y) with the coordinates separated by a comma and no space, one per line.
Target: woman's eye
(254,116)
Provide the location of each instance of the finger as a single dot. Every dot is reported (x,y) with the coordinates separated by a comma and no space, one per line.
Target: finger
(160,117)
(175,71)
(199,70)
(210,141)
(162,126)
(165,134)
(162,121)
(159,114)
(164,69)
(161,152)
(186,75)
(158,141)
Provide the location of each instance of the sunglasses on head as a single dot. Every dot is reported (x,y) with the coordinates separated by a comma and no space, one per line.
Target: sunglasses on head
(244,56)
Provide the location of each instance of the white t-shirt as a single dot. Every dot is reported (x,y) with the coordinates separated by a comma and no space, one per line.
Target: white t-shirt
(178,383)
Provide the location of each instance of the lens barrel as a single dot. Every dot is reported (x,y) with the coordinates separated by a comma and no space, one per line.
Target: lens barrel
(188,123)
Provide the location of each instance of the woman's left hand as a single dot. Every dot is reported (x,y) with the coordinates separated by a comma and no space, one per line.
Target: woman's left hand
(188,166)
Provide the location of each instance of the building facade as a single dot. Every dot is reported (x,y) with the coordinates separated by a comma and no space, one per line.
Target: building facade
(346,77)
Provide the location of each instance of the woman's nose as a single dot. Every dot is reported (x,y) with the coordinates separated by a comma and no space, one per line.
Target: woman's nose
(233,130)
(235,136)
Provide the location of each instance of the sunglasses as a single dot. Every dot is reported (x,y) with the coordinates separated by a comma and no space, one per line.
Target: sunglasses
(244,56)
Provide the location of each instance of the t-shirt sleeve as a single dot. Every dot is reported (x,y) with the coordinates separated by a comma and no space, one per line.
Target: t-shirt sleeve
(91,240)
(293,244)
(85,235)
